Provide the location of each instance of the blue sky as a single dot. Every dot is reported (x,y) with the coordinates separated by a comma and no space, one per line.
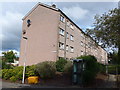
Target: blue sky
(82,13)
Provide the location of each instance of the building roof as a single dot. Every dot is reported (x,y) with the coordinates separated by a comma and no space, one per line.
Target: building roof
(57,9)
(44,5)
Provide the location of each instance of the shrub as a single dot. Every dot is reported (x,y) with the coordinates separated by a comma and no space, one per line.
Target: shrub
(4,65)
(46,69)
(13,79)
(112,69)
(92,68)
(102,68)
(8,74)
(0,73)
(68,68)
(60,64)
(3,72)
(30,71)
(17,73)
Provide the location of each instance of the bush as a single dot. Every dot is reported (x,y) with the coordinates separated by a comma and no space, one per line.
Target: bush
(102,68)
(68,68)
(0,73)
(30,71)
(8,74)
(13,79)
(112,69)
(3,72)
(91,70)
(60,64)
(17,73)
(5,66)
(46,69)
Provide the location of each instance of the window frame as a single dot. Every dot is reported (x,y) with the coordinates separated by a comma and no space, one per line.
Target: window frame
(61,31)
(71,49)
(62,18)
(71,37)
(67,48)
(71,26)
(67,35)
(61,46)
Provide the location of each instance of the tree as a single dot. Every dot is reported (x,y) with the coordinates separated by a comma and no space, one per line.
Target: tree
(113,58)
(107,29)
(9,56)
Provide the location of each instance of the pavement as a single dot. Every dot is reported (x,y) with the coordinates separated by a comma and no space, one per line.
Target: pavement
(110,83)
(4,84)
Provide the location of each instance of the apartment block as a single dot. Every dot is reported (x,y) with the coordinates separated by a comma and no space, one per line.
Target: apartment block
(48,34)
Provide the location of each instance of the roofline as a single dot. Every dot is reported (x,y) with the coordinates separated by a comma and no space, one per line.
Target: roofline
(39,3)
(57,9)
(80,29)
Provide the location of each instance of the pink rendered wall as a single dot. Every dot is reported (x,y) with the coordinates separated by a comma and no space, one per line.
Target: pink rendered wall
(42,35)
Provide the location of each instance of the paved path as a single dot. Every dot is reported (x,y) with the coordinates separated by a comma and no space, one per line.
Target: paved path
(12,85)
(110,83)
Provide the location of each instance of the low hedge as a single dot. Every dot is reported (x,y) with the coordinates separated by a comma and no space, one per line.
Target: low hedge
(112,69)
(91,70)
(17,73)
(60,64)
(102,68)
(46,69)
(68,68)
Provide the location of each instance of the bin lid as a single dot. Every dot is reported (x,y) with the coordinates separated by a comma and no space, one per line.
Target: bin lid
(78,60)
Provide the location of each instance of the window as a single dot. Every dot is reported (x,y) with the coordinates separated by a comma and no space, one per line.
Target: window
(61,31)
(61,45)
(86,45)
(71,26)
(82,43)
(24,32)
(62,19)
(82,53)
(71,49)
(67,35)
(71,37)
(82,35)
(68,23)
(28,22)
(67,47)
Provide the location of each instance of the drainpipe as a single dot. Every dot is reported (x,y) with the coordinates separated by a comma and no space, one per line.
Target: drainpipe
(85,45)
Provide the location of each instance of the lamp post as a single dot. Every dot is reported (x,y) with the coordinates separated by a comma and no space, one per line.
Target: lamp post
(23,80)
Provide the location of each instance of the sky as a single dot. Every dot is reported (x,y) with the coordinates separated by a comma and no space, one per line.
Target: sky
(11,14)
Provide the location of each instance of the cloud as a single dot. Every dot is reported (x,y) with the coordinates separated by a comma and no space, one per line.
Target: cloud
(75,12)
(15,51)
(11,30)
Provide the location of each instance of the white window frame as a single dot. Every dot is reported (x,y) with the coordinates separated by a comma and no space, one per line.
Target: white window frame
(71,26)
(82,44)
(82,35)
(67,34)
(82,53)
(61,45)
(71,49)
(67,47)
(62,18)
(68,23)
(71,37)
(61,31)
